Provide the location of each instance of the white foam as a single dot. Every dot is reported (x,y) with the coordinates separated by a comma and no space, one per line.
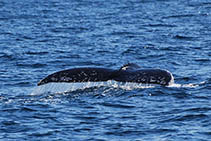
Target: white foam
(191,85)
(68,87)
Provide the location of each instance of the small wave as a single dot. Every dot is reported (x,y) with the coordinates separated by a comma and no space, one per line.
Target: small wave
(36,53)
(161,25)
(180,16)
(182,37)
(31,65)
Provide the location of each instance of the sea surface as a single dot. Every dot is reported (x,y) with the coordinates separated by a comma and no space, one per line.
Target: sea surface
(38,38)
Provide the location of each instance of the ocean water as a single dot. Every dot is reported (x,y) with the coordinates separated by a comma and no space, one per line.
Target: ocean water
(38,38)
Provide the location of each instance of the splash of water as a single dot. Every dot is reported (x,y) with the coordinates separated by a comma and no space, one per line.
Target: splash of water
(69,87)
(191,85)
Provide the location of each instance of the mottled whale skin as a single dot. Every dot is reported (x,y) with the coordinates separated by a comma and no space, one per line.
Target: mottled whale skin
(127,73)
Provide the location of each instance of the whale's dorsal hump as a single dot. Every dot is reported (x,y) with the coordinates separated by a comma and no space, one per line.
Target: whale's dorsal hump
(129,66)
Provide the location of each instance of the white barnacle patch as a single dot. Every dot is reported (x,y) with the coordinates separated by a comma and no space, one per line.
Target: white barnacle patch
(143,73)
(125,67)
(62,78)
(162,81)
(65,73)
(66,79)
(83,73)
(54,79)
(138,80)
(70,79)
(152,79)
(94,73)
(74,77)
(79,74)
(158,81)
(143,79)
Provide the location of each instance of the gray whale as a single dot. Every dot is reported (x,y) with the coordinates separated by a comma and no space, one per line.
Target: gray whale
(127,73)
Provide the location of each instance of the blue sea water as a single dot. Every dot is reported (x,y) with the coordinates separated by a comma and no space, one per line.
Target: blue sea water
(38,38)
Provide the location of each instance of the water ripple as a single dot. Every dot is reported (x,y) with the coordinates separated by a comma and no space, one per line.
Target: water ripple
(38,38)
